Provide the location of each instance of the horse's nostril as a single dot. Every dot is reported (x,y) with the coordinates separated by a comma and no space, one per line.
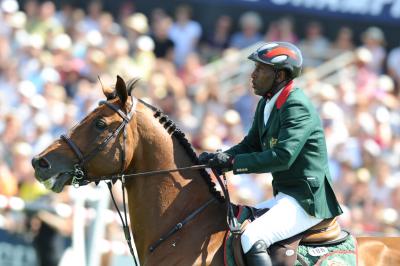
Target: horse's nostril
(43,163)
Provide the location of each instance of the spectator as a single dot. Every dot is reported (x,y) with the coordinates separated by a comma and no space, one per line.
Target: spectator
(395,198)
(184,116)
(281,30)
(191,71)
(315,45)
(31,8)
(54,228)
(185,33)
(250,25)
(344,40)
(47,25)
(9,8)
(380,186)
(393,67)
(8,182)
(218,39)
(373,39)
(136,26)
(164,47)
(91,21)
(122,63)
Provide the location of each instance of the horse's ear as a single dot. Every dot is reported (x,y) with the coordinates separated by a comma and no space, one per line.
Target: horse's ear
(108,92)
(131,85)
(122,93)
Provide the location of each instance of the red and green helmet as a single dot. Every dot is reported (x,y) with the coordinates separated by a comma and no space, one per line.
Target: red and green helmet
(281,56)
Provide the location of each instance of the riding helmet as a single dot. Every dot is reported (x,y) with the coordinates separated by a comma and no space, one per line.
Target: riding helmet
(281,56)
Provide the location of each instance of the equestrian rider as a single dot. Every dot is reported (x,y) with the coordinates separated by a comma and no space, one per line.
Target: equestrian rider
(286,139)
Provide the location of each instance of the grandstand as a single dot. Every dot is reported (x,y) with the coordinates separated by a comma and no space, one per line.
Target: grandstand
(52,53)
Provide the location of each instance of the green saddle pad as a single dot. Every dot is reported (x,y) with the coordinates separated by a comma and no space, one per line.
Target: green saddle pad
(342,254)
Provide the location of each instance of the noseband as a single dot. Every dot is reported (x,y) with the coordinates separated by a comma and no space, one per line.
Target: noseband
(80,172)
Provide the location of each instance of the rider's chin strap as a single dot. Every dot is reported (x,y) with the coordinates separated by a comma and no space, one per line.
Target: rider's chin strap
(276,88)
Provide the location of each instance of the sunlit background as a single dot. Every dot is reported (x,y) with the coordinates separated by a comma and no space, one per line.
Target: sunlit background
(191,58)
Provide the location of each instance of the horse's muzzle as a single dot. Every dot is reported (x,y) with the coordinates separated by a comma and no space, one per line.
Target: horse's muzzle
(40,162)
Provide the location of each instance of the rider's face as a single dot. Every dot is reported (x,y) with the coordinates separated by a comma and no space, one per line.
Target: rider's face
(262,78)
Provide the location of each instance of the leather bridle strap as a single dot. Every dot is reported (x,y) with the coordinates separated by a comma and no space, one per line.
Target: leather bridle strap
(125,225)
(74,148)
(126,119)
(232,222)
(79,171)
(179,225)
(149,173)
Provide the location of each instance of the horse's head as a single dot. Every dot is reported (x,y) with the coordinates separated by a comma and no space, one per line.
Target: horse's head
(99,145)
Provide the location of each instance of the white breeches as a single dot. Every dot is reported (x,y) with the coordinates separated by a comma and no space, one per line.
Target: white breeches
(285,219)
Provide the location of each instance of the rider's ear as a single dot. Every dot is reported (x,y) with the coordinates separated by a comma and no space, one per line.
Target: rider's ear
(282,75)
(120,87)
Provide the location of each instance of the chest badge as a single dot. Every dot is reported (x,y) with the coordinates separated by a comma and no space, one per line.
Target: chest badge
(272,142)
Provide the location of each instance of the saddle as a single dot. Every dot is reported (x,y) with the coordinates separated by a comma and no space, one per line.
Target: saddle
(284,252)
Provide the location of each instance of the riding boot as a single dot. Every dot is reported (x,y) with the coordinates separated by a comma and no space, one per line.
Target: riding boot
(258,255)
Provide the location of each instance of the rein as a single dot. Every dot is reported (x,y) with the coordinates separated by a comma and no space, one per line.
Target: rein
(81,182)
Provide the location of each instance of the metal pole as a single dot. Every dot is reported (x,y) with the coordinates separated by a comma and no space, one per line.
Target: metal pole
(97,230)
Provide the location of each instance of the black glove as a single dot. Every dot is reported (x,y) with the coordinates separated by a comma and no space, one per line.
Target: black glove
(221,161)
(205,157)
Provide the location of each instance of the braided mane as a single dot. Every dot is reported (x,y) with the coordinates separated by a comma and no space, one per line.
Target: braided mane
(172,129)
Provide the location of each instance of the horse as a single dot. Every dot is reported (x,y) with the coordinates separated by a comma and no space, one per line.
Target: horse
(124,137)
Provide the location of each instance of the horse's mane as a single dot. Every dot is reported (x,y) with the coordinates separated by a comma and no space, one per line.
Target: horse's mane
(172,129)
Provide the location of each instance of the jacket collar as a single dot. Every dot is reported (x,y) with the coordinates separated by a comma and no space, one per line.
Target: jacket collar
(284,94)
(268,96)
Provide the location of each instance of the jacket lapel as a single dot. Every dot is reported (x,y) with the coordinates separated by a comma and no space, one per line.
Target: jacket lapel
(278,104)
(271,117)
(260,117)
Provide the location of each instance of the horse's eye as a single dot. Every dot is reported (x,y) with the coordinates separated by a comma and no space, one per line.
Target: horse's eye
(101,124)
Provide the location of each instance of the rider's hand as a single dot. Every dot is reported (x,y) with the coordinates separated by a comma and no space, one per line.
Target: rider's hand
(205,157)
(221,161)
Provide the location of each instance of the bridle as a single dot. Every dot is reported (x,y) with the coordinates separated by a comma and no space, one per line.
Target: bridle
(80,174)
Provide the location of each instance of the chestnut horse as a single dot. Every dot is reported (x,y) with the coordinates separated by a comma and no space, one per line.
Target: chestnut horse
(127,136)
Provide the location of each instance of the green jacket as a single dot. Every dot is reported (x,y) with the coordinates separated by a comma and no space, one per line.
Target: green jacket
(292,147)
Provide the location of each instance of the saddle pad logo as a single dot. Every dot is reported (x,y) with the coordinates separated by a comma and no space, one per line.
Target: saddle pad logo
(318,251)
(290,252)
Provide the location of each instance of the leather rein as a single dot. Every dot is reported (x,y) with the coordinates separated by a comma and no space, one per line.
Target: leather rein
(80,177)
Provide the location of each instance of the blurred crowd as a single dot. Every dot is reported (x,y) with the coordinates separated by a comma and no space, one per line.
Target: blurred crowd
(51,61)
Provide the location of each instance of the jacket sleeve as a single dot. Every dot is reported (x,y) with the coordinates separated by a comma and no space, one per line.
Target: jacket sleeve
(250,142)
(296,127)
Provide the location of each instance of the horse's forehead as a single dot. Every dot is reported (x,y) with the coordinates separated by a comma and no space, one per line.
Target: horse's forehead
(105,111)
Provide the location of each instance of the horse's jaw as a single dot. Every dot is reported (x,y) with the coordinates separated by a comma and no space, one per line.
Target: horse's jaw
(55,183)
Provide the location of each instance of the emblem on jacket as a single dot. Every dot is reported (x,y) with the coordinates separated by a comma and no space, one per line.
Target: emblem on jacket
(272,142)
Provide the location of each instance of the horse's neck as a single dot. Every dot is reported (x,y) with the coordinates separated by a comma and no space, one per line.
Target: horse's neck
(157,203)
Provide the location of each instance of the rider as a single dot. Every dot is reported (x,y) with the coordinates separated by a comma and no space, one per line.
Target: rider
(286,139)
